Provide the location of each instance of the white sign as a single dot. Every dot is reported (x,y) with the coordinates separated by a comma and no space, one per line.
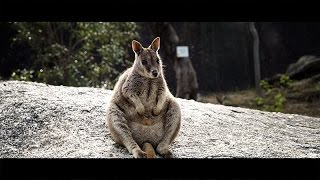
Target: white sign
(182,51)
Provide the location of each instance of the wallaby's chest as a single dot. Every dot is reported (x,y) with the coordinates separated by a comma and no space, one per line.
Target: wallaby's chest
(148,93)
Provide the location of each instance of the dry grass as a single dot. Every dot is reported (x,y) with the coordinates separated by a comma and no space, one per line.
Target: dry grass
(302,98)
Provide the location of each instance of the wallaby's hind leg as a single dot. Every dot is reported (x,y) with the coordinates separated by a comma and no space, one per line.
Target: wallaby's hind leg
(171,129)
(121,133)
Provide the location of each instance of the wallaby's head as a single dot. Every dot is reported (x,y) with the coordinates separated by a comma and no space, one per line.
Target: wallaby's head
(147,60)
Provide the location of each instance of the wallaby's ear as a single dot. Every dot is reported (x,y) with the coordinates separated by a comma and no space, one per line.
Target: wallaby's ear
(136,47)
(155,45)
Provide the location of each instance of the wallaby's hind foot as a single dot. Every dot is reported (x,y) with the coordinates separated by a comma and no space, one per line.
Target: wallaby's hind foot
(148,148)
(138,153)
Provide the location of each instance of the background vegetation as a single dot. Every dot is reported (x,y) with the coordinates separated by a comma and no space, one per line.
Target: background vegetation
(71,53)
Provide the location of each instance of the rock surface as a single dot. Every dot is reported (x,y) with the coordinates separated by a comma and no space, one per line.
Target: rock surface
(44,121)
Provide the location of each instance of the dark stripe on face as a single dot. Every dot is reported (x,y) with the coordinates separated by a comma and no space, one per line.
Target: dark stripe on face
(148,68)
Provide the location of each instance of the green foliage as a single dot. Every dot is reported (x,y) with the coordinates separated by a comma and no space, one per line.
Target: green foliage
(285,80)
(265,86)
(259,101)
(25,75)
(75,53)
(279,101)
(273,99)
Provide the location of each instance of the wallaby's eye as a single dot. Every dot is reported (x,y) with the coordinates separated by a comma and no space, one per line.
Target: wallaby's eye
(157,61)
(144,62)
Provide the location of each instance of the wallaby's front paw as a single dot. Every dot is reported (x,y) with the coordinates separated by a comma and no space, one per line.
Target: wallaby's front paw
(140,110)
(168,155)
(138,153)
(165,152)
(156,111)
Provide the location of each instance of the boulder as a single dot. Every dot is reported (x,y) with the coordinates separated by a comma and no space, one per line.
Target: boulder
(45,121)
(306,66)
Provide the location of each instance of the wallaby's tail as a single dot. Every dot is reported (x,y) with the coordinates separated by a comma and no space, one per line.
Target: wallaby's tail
(147,147)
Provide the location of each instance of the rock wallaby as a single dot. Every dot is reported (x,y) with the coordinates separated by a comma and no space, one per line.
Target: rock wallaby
(142,114)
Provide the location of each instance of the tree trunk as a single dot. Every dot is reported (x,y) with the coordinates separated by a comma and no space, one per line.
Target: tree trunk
(257,74)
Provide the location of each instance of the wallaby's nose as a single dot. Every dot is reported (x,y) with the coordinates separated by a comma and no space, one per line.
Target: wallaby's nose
(155,73)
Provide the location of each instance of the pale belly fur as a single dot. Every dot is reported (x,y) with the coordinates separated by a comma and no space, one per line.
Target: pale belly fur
(147,133)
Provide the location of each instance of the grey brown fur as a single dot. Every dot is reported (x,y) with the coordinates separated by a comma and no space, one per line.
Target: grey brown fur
(142,109)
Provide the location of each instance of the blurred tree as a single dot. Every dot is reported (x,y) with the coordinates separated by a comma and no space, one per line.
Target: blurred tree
(256,57)
(169,41)
(75,53)
(186,77)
